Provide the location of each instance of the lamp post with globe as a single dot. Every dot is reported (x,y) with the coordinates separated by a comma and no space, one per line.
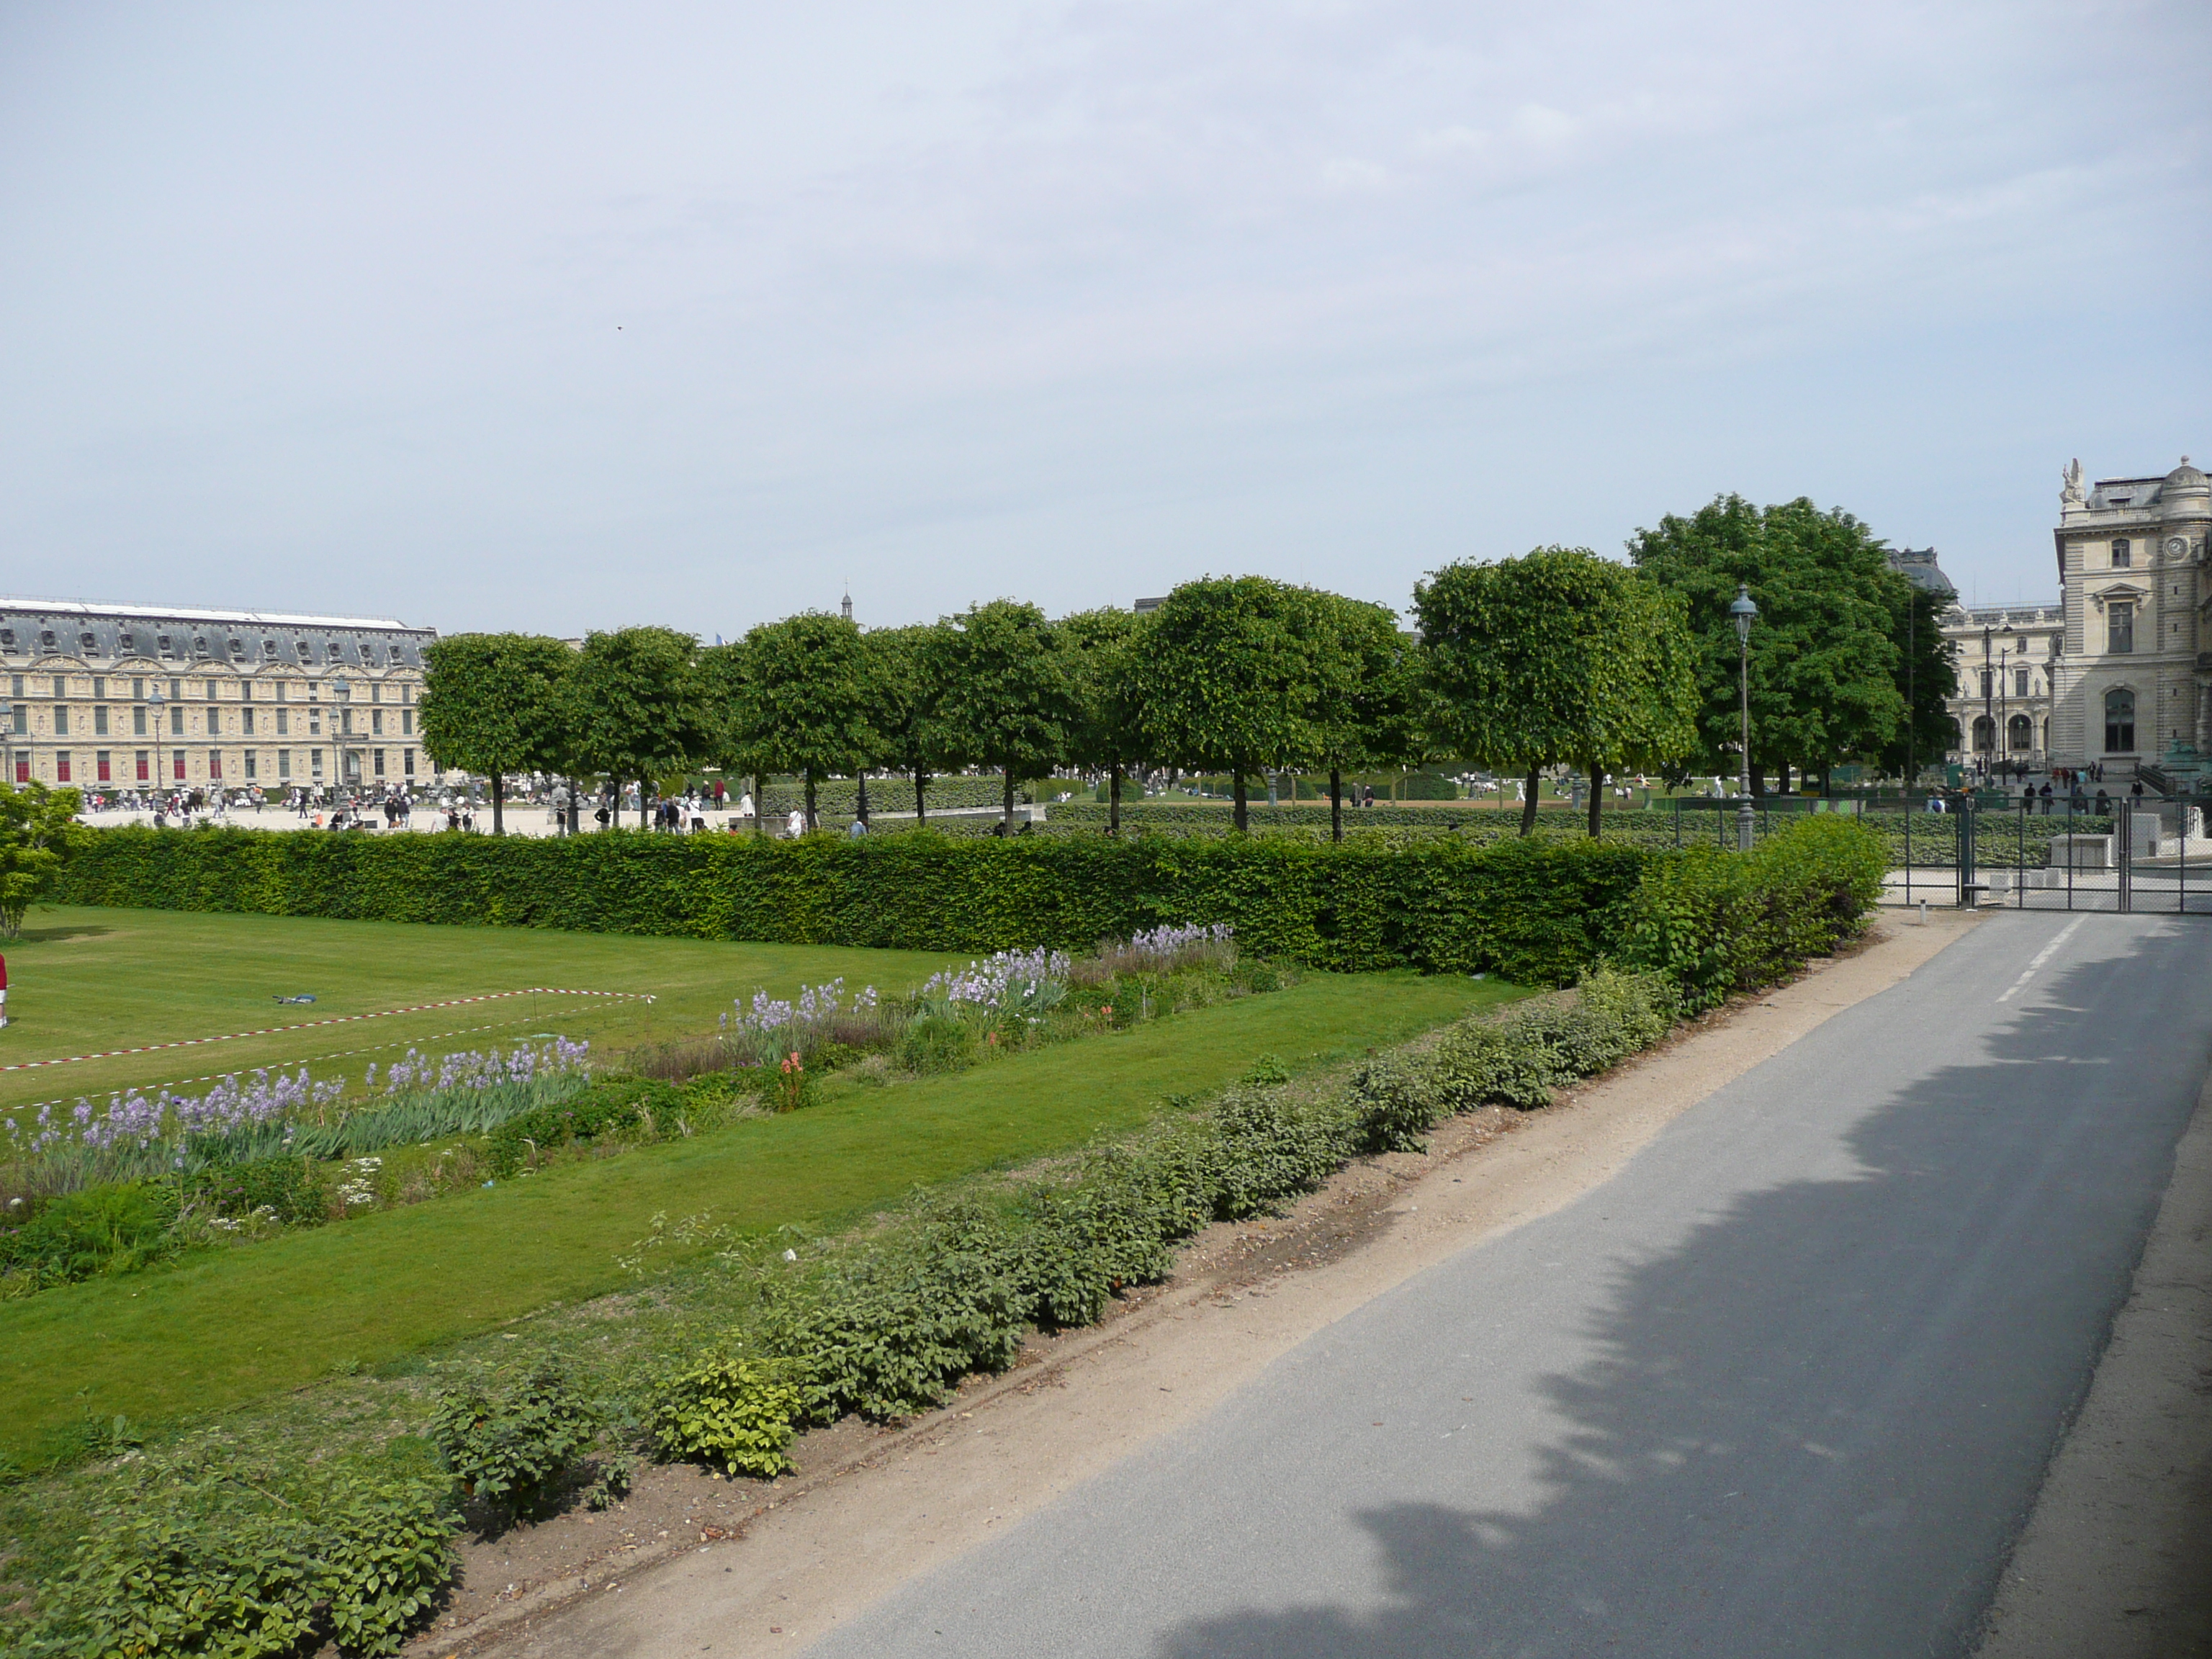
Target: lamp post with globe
(156,702)
(1744,611)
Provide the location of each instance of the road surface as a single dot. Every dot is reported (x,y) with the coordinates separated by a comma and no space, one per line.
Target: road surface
(1787,1385)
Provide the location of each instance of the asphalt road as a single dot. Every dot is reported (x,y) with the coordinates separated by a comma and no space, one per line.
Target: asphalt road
(1787,1385)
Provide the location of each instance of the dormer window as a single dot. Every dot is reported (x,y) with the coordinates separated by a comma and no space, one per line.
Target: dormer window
(125,641)
(7,638)
(46,638)
(163,645)
(199,645)
(267,648)
(332,650)
(89,639)
(2123,554)
(237,647)
(306,652)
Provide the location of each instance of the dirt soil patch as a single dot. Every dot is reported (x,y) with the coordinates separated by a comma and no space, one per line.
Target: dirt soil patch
(691,1562)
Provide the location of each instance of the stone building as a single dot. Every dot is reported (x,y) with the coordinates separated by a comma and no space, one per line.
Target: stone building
(2008,658)
(127,696)
(2133,682)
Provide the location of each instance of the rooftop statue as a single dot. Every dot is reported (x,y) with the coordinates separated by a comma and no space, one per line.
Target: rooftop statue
(2070,494)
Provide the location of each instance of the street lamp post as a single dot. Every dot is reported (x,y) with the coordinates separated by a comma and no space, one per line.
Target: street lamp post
(339,691)
(156,700)
(1743,611)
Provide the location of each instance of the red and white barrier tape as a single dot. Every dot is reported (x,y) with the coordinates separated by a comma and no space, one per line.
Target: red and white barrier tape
(336,1020)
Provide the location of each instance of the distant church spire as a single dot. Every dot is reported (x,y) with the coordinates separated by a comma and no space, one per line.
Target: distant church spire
(849,604)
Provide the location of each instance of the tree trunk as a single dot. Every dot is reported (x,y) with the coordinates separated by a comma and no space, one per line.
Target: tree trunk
(1335,804)
(1784,787)
(862,811)
(1236,790)
(498,800)
(760,807)
(1113,802)
(921,783)
(575,808)
(1758,779)
(810,800)
(1006,815)
(1529,802)
(1597,782)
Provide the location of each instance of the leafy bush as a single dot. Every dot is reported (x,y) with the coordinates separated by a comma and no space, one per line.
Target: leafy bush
(101,1230)
(606,1108)
(509,1439)
(1515,1059)
(291,1190)
(1263,1148)
(204,1555)
(937,1042)
(1718,922)
(889,1332)
(733,1412)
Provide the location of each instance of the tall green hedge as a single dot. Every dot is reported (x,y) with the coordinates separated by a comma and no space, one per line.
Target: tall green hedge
(1536,913)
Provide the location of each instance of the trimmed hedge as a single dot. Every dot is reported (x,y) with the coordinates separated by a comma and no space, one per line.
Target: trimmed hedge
(1536,913)
(1719,922)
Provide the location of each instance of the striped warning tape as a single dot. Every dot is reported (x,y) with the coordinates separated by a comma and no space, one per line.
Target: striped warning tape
(336,1019)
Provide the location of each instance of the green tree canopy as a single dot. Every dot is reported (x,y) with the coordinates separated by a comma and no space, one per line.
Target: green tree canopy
(638,706)
(800,700)
(492,704)
(1928,675)
(1558,658)
(39,831)
(1227,678)
(1825,664)
(906,686)
(1106,728)
(1367,693)
(1006,699)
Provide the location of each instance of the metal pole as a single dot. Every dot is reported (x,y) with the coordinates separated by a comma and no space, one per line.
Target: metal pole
(2019,876)
(1743,829)
(2124,825)
(1908,853)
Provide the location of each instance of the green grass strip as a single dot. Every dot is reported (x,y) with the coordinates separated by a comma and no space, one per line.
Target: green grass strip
(241,1324)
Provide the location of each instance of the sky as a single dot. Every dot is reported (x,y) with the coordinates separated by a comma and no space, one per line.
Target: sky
(558,317)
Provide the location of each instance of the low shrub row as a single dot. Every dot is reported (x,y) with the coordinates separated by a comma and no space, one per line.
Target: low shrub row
(887,1329)
(202,1554)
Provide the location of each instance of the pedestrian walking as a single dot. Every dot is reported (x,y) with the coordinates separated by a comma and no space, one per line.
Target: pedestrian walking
(4,990)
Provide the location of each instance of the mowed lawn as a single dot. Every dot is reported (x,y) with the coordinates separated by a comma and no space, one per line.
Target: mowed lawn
(239,1324)
(90,981)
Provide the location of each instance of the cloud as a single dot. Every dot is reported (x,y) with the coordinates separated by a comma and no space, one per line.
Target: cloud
(537,315)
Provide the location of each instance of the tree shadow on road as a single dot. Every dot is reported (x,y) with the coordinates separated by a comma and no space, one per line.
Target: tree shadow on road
(1816,1426)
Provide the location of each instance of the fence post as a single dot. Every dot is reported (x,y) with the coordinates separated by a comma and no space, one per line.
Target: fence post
(1968,898)
(2123,839)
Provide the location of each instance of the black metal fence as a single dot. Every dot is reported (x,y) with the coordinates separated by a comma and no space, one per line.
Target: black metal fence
(2125,853)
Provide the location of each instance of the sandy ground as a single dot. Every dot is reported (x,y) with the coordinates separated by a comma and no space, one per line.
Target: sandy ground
(2113,1563)
(691,1564)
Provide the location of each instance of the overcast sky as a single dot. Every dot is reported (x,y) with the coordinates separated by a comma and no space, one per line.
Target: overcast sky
(563,316)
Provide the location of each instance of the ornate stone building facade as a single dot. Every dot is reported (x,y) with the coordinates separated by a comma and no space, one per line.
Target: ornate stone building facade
(2132,689)
(123,697)
(2008,658)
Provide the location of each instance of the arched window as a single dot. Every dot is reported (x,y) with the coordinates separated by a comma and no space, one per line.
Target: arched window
(1985,734)
(2119,722)
(2020,735)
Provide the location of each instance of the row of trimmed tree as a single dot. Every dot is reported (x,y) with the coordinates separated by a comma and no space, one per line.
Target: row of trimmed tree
(1559,657)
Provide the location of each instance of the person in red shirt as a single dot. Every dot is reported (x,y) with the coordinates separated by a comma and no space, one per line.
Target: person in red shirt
(4,990)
